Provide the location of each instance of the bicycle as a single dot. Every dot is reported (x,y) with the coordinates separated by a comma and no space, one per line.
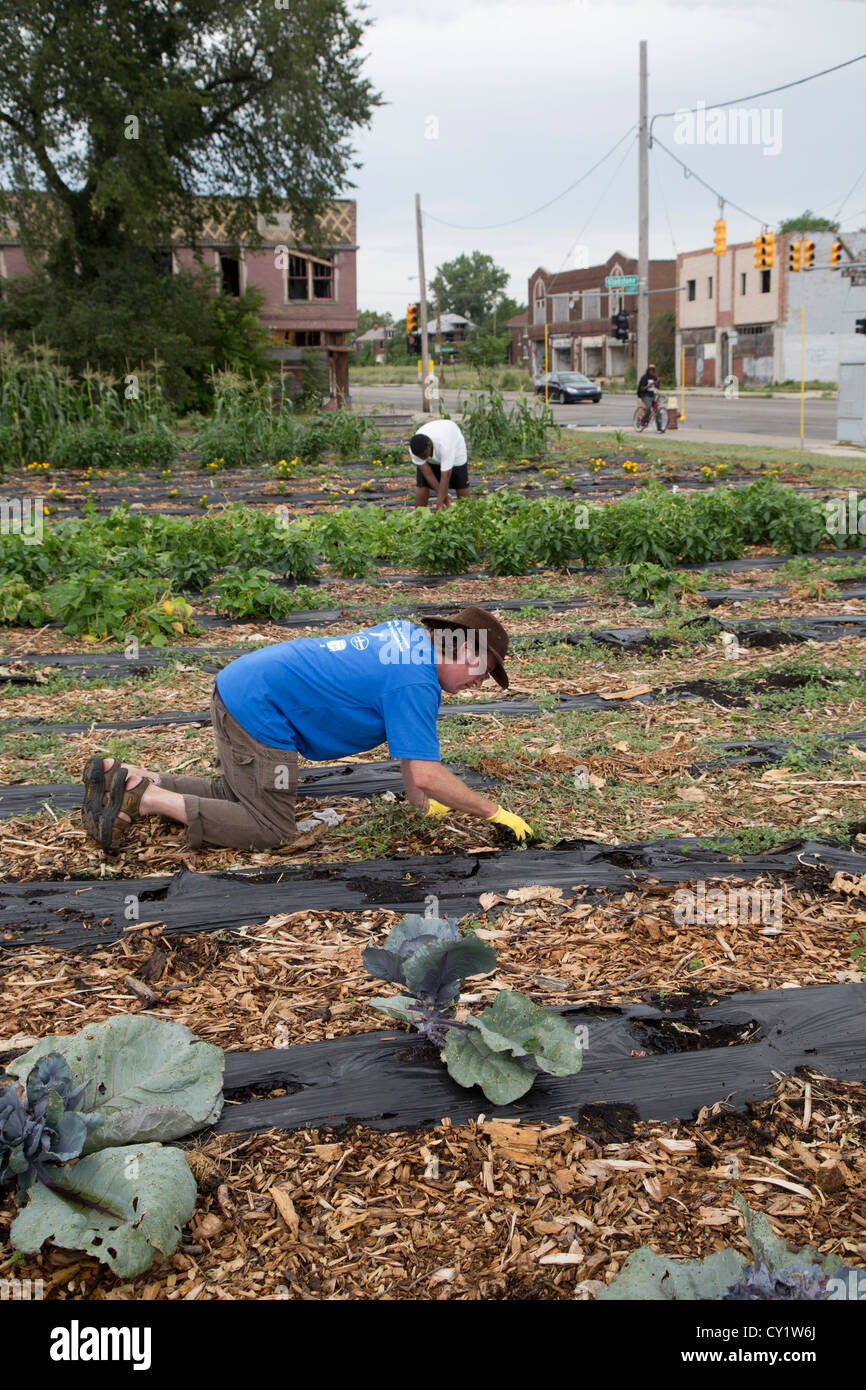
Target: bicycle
(657,412)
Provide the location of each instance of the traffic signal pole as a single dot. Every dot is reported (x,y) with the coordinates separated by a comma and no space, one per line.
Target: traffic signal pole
(422,290)
(642,350)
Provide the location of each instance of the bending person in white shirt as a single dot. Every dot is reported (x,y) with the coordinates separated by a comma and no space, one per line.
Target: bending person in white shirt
(438,451)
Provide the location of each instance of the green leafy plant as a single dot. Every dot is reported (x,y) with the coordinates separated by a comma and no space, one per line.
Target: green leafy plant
(441,543)
(86,446)
(85,1128)
(252,593)
(858,955)
(91,603)
(161,622)
(20,605)
(505,1048)
(645,580)
(775,1272)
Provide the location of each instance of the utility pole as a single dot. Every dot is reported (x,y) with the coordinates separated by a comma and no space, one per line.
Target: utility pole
(422,290)
(439,326)
(643,224)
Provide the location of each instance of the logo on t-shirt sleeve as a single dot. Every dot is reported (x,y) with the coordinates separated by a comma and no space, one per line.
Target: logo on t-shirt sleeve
(336,645)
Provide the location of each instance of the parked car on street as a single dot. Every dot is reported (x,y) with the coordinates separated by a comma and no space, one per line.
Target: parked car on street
(568,388)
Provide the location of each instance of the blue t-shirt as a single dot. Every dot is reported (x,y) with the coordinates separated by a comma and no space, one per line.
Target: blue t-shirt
(328,696)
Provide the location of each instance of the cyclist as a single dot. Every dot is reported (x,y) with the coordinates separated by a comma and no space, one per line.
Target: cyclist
(647,389)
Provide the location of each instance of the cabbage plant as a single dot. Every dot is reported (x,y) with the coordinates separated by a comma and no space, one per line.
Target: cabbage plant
(775,1272)
(505,1048)
(82,1124)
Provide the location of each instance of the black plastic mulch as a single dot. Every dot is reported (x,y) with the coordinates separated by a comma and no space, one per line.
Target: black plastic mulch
(395,1080)
(89,912)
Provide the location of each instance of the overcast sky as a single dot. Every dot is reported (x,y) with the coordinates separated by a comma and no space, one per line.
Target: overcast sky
(496,106)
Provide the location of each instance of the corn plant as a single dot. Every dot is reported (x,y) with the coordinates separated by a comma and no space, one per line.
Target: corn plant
(495,432)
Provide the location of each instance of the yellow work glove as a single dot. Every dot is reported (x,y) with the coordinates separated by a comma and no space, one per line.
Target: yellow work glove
(435,808)
(520,829)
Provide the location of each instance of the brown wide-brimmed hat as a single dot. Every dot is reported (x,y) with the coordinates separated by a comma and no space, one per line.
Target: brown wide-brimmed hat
(479,620)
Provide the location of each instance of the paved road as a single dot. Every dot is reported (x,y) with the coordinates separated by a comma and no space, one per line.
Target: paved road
(746,415)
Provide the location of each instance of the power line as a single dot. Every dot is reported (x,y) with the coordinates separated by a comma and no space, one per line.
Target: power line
(490,226)
(738,101)
(598,205)
(661,190)
(690,173)
(851,190)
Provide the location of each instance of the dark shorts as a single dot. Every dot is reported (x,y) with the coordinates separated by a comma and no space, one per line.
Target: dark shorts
(459,476)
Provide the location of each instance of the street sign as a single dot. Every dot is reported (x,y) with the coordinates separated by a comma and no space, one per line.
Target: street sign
(627,283)
(733,338)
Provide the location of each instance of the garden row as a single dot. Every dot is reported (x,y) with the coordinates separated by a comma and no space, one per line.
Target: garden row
(152,558)
(98,422)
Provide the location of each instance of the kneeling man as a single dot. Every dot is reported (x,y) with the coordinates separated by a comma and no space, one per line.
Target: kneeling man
(323,698)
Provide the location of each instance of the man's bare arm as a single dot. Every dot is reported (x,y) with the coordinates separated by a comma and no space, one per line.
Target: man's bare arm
(427,779)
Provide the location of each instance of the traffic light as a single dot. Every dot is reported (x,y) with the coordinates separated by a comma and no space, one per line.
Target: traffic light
(794,254)
(620,327)
(835,255)
(808,255)
(765,248)
(412,318)
(720,235)
(860,325)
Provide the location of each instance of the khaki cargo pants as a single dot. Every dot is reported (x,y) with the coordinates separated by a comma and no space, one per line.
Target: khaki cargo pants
(251,805)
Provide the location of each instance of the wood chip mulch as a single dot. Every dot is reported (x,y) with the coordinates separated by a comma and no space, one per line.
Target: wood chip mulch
(495,1210)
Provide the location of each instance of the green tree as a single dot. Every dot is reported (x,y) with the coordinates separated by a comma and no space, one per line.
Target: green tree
(468,285)
(133,314)
(504,309)
(115,117)
(808,221)
(371,318)
(485,349)
(662,342)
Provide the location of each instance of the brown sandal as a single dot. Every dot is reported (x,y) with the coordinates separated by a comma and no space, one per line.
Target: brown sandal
(121,800)
(98,781)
